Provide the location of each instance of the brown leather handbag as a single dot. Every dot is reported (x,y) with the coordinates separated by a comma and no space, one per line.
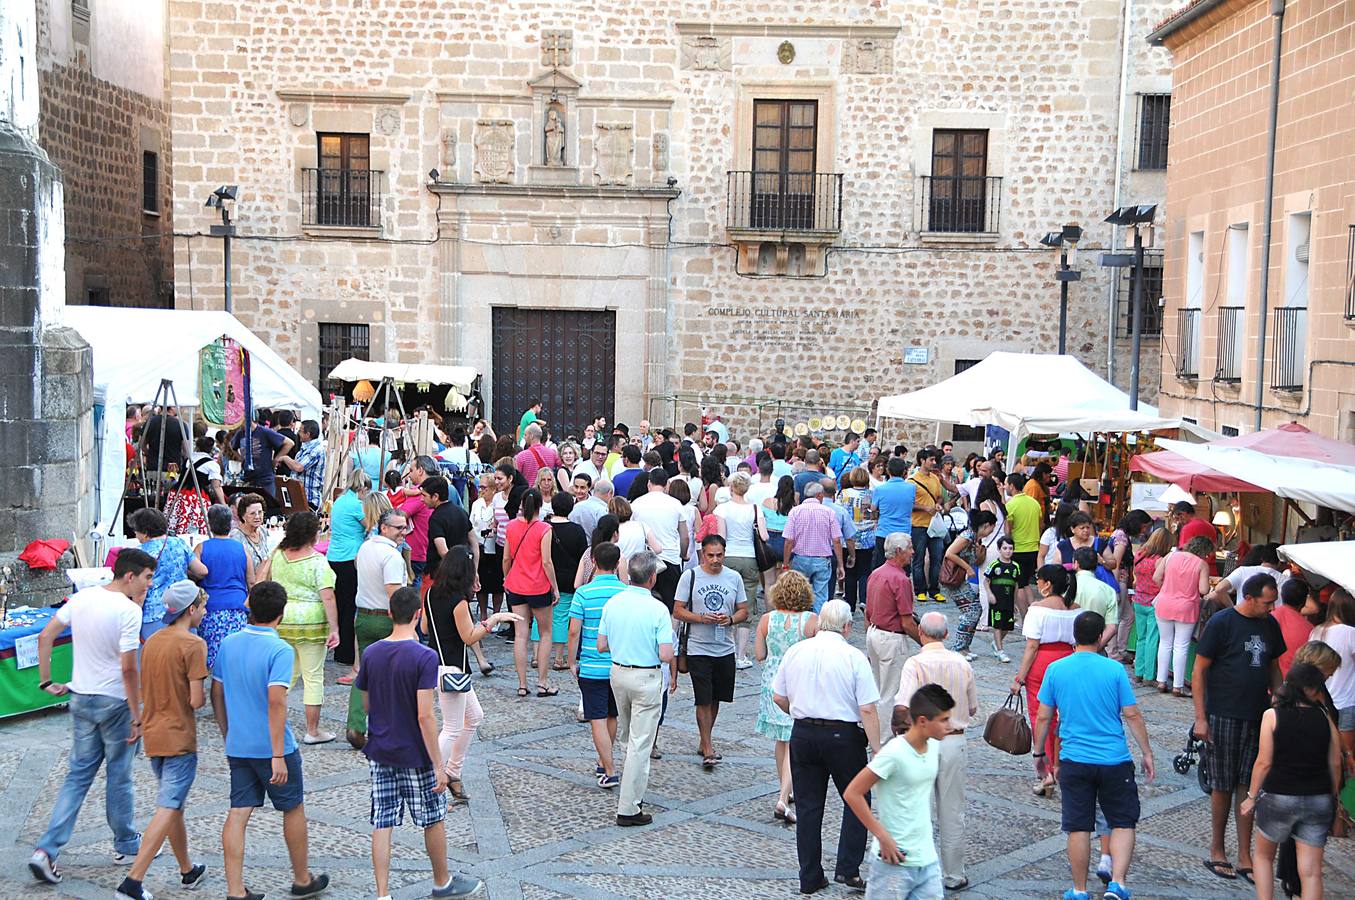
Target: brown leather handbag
(1008,729)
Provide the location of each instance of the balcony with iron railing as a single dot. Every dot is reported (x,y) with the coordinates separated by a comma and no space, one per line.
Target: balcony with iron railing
(341,198)
(1188,343)
(1289,356)
(793,202)
(1232,324)
(968,205)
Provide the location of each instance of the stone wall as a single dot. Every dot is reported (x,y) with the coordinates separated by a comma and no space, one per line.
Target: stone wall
(252,83)
(1217,189)
(96,130)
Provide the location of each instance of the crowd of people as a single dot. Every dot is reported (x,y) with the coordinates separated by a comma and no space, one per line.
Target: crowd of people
(630,560)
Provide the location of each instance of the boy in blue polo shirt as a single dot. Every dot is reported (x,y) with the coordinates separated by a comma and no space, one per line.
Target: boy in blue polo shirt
(249,697)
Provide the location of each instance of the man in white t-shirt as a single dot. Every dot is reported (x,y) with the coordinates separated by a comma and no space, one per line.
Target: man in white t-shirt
(1230,587)
(663,515)
(969,490)
(595,465)
(105,705)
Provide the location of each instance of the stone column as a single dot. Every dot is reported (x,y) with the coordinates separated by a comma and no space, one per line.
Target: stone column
(46,371)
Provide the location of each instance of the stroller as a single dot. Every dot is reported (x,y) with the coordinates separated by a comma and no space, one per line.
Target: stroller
(1193,755)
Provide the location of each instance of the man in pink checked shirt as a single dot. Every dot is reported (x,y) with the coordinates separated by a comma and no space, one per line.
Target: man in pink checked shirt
(814,537)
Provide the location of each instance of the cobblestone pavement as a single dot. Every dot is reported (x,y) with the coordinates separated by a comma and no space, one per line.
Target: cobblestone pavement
(538,827)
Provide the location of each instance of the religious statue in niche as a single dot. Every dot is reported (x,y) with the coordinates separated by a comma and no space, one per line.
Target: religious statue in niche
(614,144)
(449,152)
(554,133)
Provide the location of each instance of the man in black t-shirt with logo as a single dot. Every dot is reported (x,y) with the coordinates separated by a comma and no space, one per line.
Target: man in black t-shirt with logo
(1236,670)
(448,526)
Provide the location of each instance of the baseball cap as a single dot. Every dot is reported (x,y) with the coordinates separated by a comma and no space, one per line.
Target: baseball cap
(178,597)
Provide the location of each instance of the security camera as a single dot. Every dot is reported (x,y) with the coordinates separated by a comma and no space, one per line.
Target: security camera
(672,181)
(433,174)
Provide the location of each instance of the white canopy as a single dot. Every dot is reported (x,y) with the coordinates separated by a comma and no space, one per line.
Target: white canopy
(1285,476)
(135,348)
(1334,560)
(1026,393)
(460,377)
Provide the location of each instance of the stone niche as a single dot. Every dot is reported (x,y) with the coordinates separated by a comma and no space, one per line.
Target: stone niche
(555,129)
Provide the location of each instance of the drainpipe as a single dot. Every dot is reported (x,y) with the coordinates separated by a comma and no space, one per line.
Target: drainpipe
(1277,16)
(1125,34)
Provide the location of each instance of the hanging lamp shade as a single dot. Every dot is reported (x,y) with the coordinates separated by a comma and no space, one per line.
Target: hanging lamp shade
(363,391)
(456,402)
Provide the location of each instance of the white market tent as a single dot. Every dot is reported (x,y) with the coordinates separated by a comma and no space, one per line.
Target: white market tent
(462,378)
(1333,560)
(135,348)
(1026,393)
(1290,477)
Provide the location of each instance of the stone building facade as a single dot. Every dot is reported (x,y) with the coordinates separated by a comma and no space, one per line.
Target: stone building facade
(105,122)
(784,210)
(1217,360)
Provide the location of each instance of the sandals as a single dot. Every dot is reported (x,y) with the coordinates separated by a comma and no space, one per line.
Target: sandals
(345,679)
(486,670)
(543,691)
(1245,873)
(561,667)
(457,790)
(710,762)
(1184,692)
(1216,865)
(523,692)
(784,813)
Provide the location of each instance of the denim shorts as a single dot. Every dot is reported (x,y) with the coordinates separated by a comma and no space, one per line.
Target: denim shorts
(175,774)
(249,782)
(1304,818)
(1087,785)
(1345,719)
(903,882)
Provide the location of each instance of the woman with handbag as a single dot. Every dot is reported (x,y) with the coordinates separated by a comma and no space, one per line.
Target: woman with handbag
(1048,630)
(960,576)
(775,511)
(860,502)
(529,583)
(737,521)
(452,633)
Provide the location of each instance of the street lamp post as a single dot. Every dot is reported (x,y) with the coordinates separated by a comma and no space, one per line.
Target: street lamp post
(223,198)
(1066,240)
(1135,217)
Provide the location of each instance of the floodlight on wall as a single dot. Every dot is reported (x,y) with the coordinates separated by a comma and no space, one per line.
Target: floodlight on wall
(223,198)
(1129,216)
(1135,217)
(1066,242)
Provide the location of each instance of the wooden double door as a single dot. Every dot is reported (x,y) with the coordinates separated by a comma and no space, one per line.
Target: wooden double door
(564,358)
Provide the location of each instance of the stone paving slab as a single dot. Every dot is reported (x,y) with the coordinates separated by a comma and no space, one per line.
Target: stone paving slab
(538,828)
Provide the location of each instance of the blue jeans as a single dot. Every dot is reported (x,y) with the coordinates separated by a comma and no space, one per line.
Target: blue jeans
(101,725)
(927,551)
(819,571)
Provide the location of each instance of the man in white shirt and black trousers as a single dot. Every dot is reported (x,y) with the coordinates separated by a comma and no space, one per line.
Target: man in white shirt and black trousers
(825,684)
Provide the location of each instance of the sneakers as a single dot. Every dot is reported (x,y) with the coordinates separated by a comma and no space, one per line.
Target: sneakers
(126,859)
(193,877)
(132,890)
(320,737)
(318,884)
(458,886)
(1103,869)
(1002,656)
(743,662)
(969,657)
(1117,891)
(42,867)
(608,781)
(1071,894)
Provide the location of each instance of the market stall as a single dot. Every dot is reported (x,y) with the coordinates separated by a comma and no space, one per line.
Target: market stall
(1333,560)
(135,349)
(19,691)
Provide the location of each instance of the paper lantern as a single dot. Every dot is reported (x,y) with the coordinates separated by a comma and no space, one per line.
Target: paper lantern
(455,401)
(363,391)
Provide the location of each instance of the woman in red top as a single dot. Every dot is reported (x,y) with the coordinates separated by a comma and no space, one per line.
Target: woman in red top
(529,584)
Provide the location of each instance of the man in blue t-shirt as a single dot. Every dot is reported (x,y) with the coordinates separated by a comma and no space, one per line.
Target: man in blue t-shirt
(249,697)
(397,681)
(593,667)
(894,501)
(1090,694)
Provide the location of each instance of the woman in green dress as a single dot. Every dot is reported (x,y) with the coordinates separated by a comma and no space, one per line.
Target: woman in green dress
(310,622)
(791,620)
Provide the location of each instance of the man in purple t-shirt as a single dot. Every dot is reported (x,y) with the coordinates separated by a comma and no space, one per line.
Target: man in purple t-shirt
(397,680)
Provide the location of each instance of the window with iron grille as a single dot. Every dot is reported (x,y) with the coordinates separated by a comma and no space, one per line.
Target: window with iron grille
(1350,275)
(150,181)
(338,342)
(1150,323)
(1228,430)
(344,182)
(970,433)
(1154,123)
